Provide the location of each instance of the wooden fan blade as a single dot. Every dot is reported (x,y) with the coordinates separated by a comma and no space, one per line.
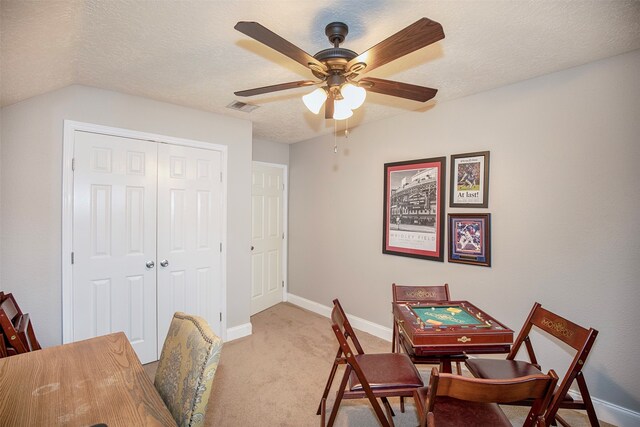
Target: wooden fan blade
(274,41)
(328,107)
(274,88)
(402,90)
(416,36)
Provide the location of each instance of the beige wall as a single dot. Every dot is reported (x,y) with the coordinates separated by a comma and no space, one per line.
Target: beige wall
(270,152)
(1,198)
(563,197)
(31,188)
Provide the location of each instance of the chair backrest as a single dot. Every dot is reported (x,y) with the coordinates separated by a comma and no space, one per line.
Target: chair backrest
(575,336)
(403,293)
(339,318)
(188,363)
(10,306)
(343,331)
(14,325)
(537,387)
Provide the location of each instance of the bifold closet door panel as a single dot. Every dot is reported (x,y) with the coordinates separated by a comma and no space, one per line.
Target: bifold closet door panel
(189,234)
(114,239)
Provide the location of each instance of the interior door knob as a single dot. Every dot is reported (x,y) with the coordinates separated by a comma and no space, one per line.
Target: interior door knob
(150,264)
(164,263)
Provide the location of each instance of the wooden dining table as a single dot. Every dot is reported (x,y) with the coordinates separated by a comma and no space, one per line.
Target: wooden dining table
(96,382)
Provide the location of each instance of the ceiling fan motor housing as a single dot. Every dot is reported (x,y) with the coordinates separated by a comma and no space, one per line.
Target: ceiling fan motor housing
(336,31)
(335,59)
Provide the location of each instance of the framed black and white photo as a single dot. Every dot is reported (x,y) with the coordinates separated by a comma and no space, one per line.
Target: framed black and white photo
(469,180)
(413,221)
(470,239)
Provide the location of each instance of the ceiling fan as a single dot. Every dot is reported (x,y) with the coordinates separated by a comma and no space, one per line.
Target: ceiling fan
(338,68)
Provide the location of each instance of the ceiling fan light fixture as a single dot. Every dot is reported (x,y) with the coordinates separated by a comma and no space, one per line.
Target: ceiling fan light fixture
(354,95)
(337,67)
(315,99)
(341,110)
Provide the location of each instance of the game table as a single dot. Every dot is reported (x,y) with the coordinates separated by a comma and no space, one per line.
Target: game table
(444,330)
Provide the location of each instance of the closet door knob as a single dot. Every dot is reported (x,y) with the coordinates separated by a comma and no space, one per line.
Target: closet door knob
(150,264)
(164,263)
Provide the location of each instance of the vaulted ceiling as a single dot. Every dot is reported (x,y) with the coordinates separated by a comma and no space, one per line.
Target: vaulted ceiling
(188,53)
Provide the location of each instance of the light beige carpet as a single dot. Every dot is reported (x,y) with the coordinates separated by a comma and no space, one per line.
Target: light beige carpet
(275,377)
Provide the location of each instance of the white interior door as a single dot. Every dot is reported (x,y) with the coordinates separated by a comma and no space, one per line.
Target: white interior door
(189,235)
(114,240)
(267,236)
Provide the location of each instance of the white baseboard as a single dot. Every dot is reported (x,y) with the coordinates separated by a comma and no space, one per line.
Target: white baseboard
(239,332)
(357,322)
(612,413)
(606,411)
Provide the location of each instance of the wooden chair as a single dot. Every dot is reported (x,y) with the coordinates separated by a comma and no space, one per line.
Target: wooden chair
(576,337)
(369,376)
(404,293)
(23,324)
(3,347)
(16,326)
(188,362)
(454,400)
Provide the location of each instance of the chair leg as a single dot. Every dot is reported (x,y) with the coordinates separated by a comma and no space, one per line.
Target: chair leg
(387,408)
(559,419)
(323,410)
(445,366)
(586,398)
(369,393)
(459,368)
(551,416)
(386,402)
(336,404)
(332,374)
(393,337)
(386,422)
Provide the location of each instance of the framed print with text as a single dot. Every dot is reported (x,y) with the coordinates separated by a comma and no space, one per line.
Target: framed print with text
(470,239)
(469,180)
(413,220)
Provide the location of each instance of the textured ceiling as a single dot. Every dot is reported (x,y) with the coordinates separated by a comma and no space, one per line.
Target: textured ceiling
(188,53)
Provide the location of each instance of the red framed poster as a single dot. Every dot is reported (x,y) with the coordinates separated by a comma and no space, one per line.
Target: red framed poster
(413,221)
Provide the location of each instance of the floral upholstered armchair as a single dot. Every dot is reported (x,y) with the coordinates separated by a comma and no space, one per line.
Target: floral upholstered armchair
(188,362)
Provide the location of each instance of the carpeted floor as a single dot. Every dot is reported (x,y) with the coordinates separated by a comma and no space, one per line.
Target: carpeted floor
(275,377)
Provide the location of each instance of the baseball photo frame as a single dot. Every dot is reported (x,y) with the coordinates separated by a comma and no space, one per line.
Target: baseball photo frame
(470,239)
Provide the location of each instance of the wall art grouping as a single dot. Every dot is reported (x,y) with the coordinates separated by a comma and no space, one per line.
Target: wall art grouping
(414,207)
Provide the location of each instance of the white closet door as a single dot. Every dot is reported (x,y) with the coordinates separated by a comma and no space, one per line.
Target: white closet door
(114,240)
(266,236)
(189,235)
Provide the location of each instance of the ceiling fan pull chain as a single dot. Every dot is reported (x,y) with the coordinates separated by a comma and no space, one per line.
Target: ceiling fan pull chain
(346,128)
(335,136)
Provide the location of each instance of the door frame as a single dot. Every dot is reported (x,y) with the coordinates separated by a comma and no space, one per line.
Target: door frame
(285,222)
(68,142)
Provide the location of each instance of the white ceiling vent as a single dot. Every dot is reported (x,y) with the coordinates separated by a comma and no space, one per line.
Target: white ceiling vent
(242,106)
